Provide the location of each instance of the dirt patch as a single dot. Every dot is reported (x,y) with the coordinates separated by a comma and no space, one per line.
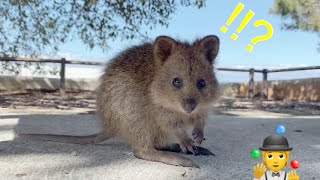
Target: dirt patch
(48,99)
(285,107)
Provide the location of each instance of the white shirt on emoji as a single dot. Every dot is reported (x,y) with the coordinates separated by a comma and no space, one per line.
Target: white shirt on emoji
(283,176)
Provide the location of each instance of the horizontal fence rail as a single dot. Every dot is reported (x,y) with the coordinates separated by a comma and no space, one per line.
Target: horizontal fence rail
(239,70)
(36,60)
(294,69)
(263,93)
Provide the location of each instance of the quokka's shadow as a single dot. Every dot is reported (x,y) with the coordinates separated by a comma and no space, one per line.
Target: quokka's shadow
(107,152)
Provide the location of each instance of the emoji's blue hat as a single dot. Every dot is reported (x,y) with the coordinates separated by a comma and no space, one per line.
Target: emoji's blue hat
(275,143)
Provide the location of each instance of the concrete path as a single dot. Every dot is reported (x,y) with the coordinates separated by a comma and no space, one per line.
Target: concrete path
(230,137)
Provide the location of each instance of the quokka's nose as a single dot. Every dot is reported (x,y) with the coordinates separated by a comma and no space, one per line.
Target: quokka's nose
(189,105)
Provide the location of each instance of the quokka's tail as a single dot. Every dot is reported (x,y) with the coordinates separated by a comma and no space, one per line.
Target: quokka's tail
(95,138)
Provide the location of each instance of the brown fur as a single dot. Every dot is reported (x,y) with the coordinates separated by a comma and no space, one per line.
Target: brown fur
(136,99)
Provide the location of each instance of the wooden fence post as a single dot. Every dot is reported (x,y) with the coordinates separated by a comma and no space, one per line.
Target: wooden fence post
(251,83)
(62,76)
(264,84)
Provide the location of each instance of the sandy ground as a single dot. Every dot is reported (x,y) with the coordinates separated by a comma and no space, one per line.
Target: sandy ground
(234,127)
(230,135)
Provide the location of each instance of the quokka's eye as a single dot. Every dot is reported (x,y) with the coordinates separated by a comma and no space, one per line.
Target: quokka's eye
(201,84)
(177,83)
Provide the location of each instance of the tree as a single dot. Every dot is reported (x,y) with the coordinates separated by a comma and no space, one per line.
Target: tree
(33,27)
(300,14)
(38,27)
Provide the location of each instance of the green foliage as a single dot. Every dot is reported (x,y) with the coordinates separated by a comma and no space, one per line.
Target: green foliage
(35,27)
(300,14)
(31,27)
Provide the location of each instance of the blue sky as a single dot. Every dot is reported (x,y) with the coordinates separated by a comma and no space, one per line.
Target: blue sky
(285,48)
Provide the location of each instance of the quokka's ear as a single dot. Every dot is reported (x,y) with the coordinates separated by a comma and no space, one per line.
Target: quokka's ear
(210,47)
(163,48)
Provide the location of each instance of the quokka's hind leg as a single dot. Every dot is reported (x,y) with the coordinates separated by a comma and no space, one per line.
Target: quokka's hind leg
(175,147)
(164,157)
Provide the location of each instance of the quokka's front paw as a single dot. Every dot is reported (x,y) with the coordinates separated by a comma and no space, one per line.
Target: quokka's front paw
(197,135)
(187,146)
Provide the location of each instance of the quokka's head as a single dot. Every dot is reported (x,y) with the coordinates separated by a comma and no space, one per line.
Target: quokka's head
(185,80)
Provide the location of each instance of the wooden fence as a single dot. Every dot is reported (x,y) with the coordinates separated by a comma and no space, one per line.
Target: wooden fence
(264,89)
(61,61)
